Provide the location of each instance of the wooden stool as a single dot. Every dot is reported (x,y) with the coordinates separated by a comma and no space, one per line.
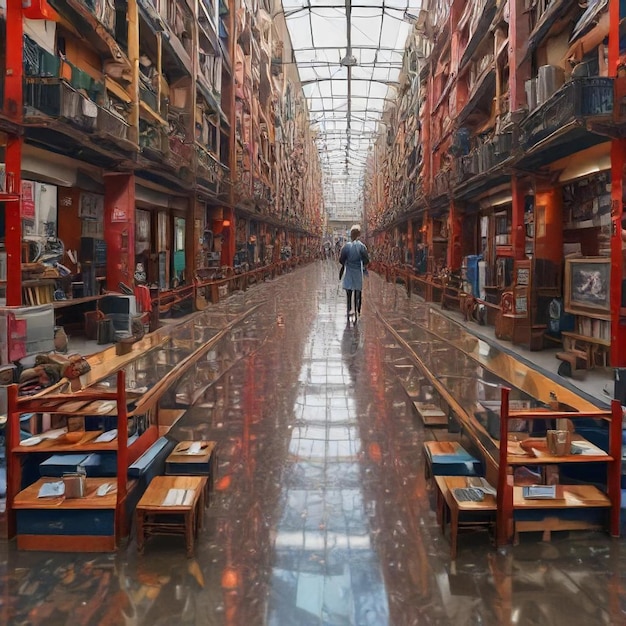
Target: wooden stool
(157,515)
(459,512)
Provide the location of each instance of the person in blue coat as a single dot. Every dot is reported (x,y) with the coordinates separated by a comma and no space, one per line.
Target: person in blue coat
(354,260)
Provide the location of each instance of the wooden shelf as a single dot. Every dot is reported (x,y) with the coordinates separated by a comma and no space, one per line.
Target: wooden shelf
(28,498)
(510,498)
(567,497)
(59,304)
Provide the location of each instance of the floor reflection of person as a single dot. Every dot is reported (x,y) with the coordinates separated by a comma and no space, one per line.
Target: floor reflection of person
(354,258)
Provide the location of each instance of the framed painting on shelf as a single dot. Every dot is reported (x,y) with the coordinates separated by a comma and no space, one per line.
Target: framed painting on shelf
(587,286)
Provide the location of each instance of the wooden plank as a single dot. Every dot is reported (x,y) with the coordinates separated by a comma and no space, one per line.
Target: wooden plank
(585,338)
(152,499)
(568,497)
(430,414)
(67,543)
(27,498)
(179,455)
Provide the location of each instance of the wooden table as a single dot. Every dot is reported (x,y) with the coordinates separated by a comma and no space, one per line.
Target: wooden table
(155,518)
(181,463)
(456,508)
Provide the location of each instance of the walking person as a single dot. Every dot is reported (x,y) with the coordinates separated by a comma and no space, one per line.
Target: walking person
(354,260)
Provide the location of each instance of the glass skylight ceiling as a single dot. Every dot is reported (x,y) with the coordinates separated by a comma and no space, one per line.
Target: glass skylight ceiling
(349,56)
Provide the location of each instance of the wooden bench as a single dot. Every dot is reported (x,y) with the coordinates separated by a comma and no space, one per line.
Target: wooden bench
(582,352)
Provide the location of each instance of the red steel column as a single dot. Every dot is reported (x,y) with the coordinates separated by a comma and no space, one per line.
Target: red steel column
(618,245)
(119,228)
(13,110)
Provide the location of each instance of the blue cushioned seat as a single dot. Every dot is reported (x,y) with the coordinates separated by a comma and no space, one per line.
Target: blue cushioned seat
(152,462)
(459,463)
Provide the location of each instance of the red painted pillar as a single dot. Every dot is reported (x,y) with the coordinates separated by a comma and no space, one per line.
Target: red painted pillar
(518,233)
(13,50)
(119,228)
(519,30)
(13,221)
(618,248)
(455,248)
(13,109)
(618,244)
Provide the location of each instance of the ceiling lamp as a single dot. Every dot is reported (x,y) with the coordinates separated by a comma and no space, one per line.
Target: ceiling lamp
(348,61)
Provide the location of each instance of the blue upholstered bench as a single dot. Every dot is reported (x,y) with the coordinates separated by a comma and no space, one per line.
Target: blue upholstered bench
(449,458)
(152,462)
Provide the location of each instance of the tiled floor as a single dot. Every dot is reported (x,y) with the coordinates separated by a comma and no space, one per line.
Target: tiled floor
(322,516)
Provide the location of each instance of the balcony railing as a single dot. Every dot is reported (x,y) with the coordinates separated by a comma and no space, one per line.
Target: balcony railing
(153,141)
(103,11)
(111,124)
(441,183)
(578,100)
(207,169)
(46,98)
(484,157)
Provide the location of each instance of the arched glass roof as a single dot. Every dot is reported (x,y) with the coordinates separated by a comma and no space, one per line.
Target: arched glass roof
(349,56)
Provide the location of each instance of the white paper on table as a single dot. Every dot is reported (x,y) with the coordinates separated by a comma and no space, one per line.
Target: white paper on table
(107,436)
(178,497)
(195,448)
(53,434)
(104,489)
(174,497)
(52,490)
(586,448)
(31,441)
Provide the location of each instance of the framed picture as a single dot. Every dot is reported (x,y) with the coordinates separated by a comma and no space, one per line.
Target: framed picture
(588,286)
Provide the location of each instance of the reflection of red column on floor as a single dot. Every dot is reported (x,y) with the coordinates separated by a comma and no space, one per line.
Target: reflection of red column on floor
(231,585)
(119,228)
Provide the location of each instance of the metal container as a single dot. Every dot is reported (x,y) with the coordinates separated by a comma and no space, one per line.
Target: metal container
(75,485)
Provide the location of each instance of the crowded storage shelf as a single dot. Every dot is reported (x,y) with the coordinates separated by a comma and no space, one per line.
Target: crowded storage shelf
(131,400)
(577,502)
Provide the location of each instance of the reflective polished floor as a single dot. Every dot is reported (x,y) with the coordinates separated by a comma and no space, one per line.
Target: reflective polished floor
(321,515)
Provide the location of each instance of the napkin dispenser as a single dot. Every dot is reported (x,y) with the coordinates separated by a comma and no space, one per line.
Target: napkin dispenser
(75,484)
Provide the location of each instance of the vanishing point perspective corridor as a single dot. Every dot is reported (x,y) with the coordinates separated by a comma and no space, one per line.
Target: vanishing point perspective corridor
(320,514)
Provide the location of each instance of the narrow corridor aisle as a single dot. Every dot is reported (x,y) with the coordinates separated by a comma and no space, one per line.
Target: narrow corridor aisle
(320,516)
